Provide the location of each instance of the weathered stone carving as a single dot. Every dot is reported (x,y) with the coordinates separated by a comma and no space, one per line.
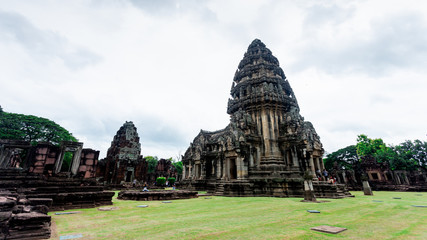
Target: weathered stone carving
(266,147)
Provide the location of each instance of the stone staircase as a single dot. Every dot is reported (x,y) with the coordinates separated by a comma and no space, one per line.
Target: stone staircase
(219,189)
(328,190)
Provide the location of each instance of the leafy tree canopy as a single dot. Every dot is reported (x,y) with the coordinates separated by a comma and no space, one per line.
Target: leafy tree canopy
(369,147)
(32,129)
(405,156)
(178,167)
(409,155)
(344,157)
(152,163)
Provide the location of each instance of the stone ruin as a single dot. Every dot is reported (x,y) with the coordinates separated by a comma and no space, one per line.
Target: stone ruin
(381,177)
(266,147)
(124,162)
(37,179)
(166,169)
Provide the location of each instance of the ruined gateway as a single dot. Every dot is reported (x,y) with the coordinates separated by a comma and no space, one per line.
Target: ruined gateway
(267,146)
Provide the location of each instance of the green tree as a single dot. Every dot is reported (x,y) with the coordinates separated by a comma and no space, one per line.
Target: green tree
(178,167)
(369,147)
(344,157)
(152,163)
(405,156)
(409,155)
(31,128)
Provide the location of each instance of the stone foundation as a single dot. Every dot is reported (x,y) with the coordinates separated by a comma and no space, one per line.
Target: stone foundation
(276,187)
(156,195)
(66,193)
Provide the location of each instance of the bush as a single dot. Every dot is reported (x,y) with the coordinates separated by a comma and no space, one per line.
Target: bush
(171,181)
(161,181)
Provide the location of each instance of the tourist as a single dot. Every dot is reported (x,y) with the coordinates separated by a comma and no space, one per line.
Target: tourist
(134,183)
(325,174)
(319,175)
(173,186)
(145,188)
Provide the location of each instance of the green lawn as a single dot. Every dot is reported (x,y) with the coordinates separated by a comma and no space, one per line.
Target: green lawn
(253,218)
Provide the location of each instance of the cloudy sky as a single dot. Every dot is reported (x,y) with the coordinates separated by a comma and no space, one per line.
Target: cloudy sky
(355,66)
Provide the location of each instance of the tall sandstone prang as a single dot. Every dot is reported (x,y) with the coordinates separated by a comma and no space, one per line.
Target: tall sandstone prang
(267,146)
(124,162)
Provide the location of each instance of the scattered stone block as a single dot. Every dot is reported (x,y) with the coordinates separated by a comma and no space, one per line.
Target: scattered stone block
(328,229)
(166,202)
(65,213)
(208,198)
(418,194)
(70,236)
(419,206)
(313,211)
(107,208)
(397,198)
(367,189)
(142,206)
(377,201)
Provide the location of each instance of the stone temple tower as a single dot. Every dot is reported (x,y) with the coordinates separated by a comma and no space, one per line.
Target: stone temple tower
(125,144)
(260,89)
(124,162)
(267,148)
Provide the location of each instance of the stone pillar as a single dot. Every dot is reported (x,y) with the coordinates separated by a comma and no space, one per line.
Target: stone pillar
(219,170)
(223,161)
(367,189)
(192,169)
(202,172)
(313,170)
(316,164)
(258,156)
(265,132)
(227,169)
(251,157)
(239,167)
(184,172)
(308,191)
(321,164)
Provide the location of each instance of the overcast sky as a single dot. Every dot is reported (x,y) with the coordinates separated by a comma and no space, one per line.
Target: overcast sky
(355,66)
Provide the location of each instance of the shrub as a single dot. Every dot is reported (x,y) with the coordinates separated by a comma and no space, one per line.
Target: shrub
(171,181)
(161,181)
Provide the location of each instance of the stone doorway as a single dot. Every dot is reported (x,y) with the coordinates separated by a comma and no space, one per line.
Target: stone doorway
(233,169)
(128,176)
(67,161)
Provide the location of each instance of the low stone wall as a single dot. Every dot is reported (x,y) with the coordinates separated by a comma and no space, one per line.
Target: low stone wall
(156,195)
(66,193)
(72,197)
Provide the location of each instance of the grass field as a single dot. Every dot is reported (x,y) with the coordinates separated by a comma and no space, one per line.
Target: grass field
(252,218)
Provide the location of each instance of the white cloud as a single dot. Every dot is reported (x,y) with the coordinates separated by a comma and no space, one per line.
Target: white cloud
(355,66)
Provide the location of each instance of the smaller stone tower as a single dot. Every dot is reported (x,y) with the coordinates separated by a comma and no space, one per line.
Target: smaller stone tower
(125,145)
(124,162)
